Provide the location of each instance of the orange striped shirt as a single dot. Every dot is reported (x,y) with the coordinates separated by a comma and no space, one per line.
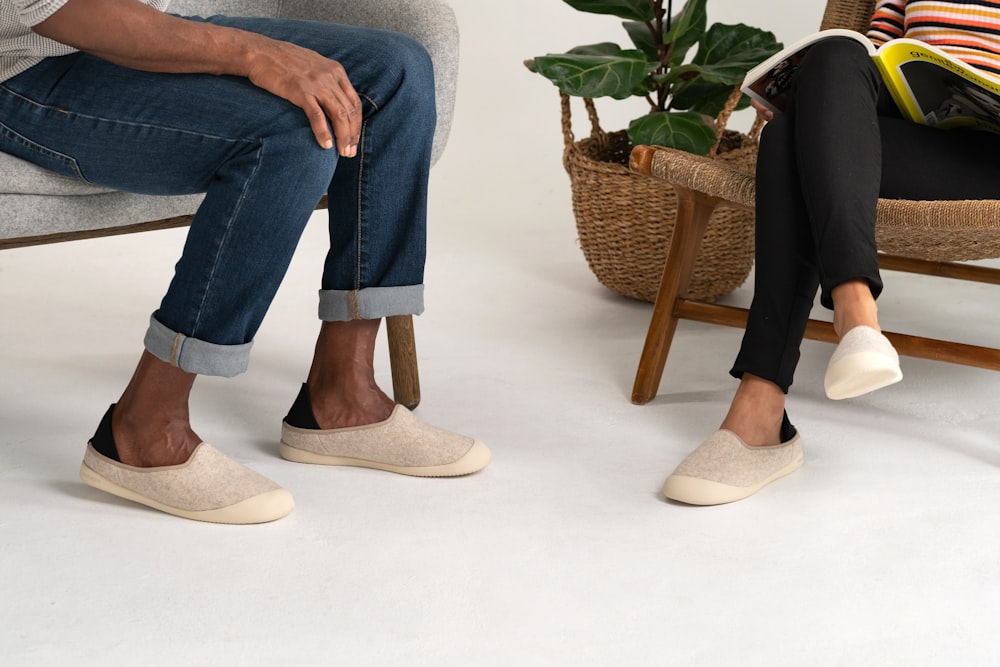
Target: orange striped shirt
(970,31)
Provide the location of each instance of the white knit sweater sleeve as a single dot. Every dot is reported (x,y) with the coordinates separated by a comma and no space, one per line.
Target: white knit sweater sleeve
(33,12)
(20,48)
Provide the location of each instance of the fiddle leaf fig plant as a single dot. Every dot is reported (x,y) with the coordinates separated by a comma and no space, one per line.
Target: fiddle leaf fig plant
(683,94)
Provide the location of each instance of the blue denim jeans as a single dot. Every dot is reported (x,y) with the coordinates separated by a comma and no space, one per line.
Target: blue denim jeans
(255,157)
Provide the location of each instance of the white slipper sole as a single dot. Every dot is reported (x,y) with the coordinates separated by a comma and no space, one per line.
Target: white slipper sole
(864,361)
(860,373)
(208,487)
(477,458)
(695,491)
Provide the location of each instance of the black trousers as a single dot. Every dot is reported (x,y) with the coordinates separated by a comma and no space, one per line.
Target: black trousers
(840,145)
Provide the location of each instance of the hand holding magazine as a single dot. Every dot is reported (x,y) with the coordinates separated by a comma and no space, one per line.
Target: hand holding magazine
(930,86)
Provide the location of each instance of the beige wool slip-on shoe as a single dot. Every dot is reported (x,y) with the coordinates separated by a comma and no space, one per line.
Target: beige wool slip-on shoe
(864,361)
(724,469)
(210,486)
(401,444)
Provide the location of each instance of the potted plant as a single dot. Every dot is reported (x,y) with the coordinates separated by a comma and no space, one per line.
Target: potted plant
(684,94)
(625,221)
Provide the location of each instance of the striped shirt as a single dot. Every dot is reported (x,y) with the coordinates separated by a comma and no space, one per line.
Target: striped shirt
(970,31)
(20,48)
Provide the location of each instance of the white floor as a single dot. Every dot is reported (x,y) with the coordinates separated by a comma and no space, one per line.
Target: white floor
(882,550)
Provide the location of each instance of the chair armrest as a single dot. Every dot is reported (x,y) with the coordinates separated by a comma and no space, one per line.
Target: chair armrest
(695,172)
(430,22)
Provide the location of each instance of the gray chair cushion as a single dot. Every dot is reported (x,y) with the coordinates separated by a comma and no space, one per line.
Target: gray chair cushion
(37,202)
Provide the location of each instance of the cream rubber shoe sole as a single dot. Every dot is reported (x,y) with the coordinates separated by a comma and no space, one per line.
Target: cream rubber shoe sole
(401,444)
(724,469)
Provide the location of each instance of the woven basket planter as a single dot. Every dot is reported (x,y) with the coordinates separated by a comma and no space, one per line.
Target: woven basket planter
(625,220)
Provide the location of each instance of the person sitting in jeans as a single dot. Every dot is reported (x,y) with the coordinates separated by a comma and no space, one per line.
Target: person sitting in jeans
(265,116)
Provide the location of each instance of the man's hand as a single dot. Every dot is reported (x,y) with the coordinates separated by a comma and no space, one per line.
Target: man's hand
(131,34)
(317,85)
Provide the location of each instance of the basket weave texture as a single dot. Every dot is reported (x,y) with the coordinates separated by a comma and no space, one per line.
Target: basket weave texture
(625,221)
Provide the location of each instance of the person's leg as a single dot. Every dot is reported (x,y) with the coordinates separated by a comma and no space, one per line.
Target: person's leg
(817,186)
(785,283)
(377,209)
(838,102)
(263,172)
(341,378)
(756,443)
(377,205)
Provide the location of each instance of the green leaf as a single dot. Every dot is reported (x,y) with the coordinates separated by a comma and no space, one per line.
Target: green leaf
(686,30)
(725,54)
(675,74)
(595,71)
(600,49)
(642,38)
(638,10)
(735,47)
(706,98)
(684,130)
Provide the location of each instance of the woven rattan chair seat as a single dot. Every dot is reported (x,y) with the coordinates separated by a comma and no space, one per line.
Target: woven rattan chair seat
(933,230)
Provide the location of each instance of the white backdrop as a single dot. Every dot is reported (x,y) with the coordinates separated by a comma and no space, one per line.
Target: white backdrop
(508,120)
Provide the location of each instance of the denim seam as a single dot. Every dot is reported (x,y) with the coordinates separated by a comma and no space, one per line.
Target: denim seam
(16,137)
(225,238)
(361,190)
(115,121)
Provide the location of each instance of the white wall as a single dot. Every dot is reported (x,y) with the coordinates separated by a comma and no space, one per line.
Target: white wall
(507,125)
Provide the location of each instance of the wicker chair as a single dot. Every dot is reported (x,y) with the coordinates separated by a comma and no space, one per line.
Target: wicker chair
(39,207)
(924,237)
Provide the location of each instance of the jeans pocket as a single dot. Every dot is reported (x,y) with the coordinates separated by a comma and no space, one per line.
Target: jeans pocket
(21,146)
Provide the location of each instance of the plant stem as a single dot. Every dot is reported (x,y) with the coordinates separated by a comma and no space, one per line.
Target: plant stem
(663,51)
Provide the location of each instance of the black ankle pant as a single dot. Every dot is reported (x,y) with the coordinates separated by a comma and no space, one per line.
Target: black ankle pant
(840,145)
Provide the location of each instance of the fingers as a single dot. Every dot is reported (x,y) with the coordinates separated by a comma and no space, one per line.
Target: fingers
(317,85)
(342,107)
(762,111)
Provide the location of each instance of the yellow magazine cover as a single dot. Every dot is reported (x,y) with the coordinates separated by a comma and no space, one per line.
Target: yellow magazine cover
(934,88)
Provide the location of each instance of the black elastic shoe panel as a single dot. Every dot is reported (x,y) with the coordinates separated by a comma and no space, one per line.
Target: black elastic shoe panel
(103,440)
(301,414)
(787,430)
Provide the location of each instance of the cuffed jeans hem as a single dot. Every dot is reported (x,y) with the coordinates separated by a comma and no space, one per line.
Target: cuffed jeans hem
(195,356)
(370,303)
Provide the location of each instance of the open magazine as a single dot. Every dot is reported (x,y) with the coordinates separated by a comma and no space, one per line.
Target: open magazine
(929,86)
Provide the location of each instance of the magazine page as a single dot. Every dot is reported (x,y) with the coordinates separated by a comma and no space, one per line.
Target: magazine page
(934,88)
(769,82)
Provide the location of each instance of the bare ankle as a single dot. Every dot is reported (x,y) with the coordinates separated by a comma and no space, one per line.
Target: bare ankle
(152,440)
(340,407)
(756,412)
(341,380)
(853,306)
(150,422)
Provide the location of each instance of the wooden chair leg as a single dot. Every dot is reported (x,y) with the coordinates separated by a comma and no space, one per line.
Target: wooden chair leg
(693,212)
(403,360)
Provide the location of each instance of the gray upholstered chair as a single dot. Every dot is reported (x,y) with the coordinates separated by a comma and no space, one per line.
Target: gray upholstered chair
(38,206)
